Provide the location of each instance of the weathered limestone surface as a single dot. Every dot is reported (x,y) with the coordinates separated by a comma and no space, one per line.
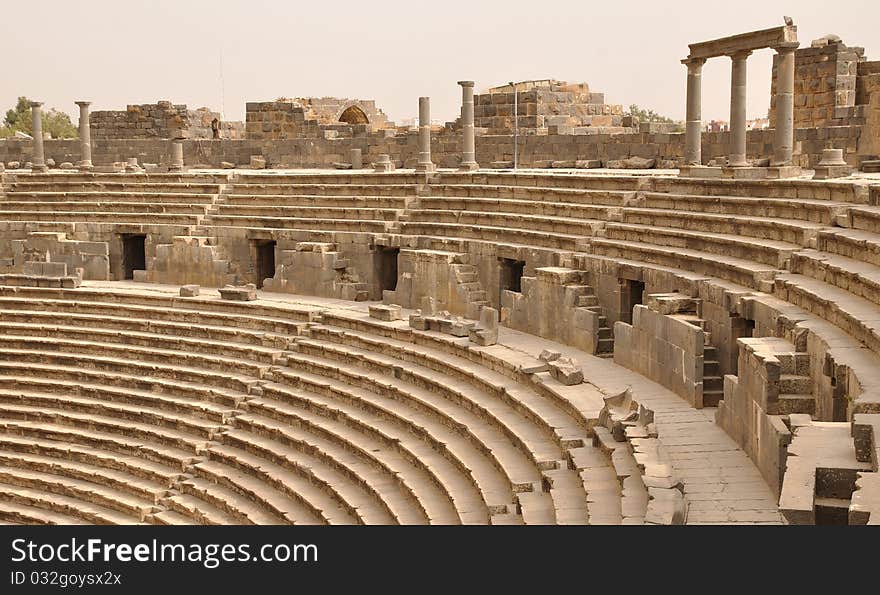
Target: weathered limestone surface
(666,348)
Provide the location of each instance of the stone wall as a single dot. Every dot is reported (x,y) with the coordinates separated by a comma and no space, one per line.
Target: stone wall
(548,106)
(492,151)
(665,348)
(313,118)
(157,121)
(824,84)
(548,306)
(743,412)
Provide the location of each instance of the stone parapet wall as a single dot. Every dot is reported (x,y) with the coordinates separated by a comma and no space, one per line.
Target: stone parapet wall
(491,150)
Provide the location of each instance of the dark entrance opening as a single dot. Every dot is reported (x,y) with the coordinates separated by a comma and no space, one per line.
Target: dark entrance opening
(632,294)
(134,256)
(511,274)
(265,264)
(388,268)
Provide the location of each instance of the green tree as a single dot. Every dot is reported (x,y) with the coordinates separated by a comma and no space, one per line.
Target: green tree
(18,119)
(649,115)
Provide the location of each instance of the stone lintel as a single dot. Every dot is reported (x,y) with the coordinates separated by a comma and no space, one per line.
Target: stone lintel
(754,40)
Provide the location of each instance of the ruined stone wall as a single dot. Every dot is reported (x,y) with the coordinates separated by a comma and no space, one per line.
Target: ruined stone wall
(328,110)
(492,151)
(154,121)
(548,107)
(824,85)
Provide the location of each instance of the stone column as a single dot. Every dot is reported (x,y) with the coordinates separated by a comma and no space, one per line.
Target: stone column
(783,140)
(425,164)
(176,155)
(693,135)
(468,144)
(737,157)
(38,159)
(85,136)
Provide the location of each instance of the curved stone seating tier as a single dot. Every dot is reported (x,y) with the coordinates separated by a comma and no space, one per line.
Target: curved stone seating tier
(123,189)
(276,222)
(85,218)
(769,252)
(303,212)
(311,200)
(115,178)
(351,178)
(328,189)
(120,208)
(112,197)
(219,412)
(525,207)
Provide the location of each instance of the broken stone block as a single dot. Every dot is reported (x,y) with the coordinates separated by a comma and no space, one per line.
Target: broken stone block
(139,276)
(227,165)
(242,293)
(461,327)
(258,162)
(66,165)
(189,290)
(587,164)
(548,355)
(486,333)
(50,162)
(638,163)
(14,164)
(386,313)
(417,321)
(566,371)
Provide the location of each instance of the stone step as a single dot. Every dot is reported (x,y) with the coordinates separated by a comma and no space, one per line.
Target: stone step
(13,495)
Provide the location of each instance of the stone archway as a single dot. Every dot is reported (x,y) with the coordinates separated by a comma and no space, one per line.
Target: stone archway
(353,115)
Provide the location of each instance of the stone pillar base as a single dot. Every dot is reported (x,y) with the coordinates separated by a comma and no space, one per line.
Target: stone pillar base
(426,168)
(827,172)
(699,171)
(84,166)
(783,171)
(39,169)
(469,166)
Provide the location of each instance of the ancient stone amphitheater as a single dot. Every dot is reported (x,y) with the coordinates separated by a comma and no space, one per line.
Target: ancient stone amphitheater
(455,345)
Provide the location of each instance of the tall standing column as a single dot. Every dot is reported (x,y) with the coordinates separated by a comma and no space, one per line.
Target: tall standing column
(85,136)
(783,141)
(38,159)
(176,155)
(468,144)
(424,164)
(693,134)
(737,157)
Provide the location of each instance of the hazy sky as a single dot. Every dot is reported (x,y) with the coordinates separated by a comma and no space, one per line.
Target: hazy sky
(393,51)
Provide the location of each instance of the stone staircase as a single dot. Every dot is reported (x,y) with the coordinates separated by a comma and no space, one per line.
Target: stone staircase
(469,286)
(588,300)
(713,382)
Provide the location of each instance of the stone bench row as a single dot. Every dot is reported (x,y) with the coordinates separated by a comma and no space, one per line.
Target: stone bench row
(119,208)
(309,212)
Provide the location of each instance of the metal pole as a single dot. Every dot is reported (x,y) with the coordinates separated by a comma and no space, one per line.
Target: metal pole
(515,126)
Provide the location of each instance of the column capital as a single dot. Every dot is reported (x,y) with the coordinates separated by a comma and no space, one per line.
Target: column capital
(83,103)
(787,47)
(36,103)
(740,54)
(466,83)
(689,62)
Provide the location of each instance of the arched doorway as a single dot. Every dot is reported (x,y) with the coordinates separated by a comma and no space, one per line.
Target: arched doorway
(353,115)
